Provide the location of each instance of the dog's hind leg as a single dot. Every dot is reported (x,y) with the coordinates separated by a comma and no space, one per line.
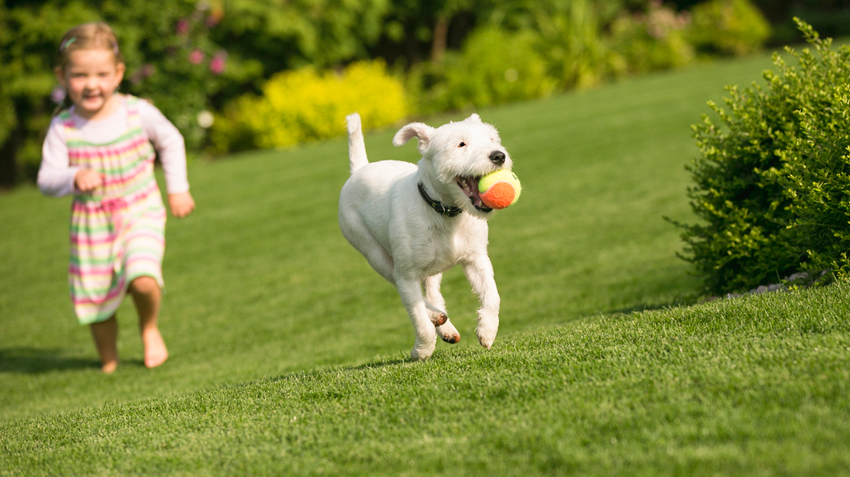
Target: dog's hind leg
(359,237)
(414,302)
(437,304)
(380,260)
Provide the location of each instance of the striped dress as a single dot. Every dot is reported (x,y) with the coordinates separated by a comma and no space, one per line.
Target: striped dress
(118,230)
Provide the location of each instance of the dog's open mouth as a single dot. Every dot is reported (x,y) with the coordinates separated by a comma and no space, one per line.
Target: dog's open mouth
(469,185)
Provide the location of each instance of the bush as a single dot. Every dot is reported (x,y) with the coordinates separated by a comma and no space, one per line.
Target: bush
(29,38)
(652,41)
(572,43)
(192,57)
(815,174)
(540,48)
(157,40)
(173,61)
(495,66)
(728,27)
(772,187)
(305,105)
(188,56)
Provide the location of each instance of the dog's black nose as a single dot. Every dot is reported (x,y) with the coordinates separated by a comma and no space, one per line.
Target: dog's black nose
(498,157)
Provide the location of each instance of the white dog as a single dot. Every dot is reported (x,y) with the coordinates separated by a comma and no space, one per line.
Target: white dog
(412,223)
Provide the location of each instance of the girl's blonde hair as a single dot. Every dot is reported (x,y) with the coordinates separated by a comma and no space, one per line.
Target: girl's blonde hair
(96,35)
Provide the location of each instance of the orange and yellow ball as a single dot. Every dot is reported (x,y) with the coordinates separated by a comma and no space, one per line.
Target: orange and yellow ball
(499,189)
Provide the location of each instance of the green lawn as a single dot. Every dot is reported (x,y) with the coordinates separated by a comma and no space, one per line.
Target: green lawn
(752,386)
(287,350)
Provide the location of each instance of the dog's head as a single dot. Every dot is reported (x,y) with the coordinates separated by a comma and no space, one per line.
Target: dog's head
(455,156)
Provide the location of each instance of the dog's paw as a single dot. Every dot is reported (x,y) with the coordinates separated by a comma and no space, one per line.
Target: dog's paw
(451,339)
(424,346)
(420,354)
(438,318)
(486,335)
(448,333)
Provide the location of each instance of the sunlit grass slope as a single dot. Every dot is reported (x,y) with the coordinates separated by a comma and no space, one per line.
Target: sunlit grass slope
(751,386)
(261,283)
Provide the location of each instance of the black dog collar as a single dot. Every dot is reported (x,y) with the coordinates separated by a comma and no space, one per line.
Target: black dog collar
(440,208)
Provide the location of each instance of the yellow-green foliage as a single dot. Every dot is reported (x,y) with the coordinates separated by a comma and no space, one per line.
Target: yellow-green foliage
(729,27)
(306,104)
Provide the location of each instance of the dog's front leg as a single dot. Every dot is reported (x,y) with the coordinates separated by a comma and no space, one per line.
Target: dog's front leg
(445,329)
(426,336)
(479,272)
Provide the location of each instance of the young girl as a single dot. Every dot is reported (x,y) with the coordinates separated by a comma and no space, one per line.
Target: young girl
(100,151)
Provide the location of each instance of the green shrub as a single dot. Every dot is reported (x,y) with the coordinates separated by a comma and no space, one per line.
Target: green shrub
(495,66)
(187,56)
(815,177)
(155,48)
(728,27)
(541,48)
(771,187)
(29,37)
(172,59)
(652,41)
(304,105)
(573,44)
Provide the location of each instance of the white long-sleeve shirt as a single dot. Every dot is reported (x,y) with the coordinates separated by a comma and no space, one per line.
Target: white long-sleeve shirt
(56,176)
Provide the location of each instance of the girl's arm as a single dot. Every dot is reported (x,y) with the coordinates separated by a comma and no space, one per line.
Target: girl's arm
(169,143)
(55,176)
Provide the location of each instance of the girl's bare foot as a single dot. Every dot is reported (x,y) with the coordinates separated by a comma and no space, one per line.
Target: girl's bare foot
(155,351)
(105,335)
(109,367)
(147,295)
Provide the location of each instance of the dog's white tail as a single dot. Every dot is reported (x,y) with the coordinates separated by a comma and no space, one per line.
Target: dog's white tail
(356,146)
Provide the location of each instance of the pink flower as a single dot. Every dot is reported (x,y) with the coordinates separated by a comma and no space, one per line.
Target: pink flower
(218,63)
(196,56)
(182,27)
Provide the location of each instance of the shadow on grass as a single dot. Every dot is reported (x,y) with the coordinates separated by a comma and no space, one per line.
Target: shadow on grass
(323,369)
(679,302)
(40,360)
(636,309)
(379,364)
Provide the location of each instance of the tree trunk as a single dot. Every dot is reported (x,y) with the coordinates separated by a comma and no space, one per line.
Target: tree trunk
(438,46)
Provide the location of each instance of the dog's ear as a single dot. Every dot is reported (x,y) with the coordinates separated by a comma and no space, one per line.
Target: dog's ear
(420,131)
(474,118)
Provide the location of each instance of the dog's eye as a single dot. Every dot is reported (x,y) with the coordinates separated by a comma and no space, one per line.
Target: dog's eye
(462,144)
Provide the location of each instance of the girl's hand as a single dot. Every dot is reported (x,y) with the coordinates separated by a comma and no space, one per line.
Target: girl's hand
(181,204)
(86,180)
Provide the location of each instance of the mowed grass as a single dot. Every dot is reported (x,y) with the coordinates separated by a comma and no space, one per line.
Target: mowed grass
(288,351)
(752,386)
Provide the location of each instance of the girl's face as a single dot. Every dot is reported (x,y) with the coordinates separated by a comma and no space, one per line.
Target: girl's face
(90,77)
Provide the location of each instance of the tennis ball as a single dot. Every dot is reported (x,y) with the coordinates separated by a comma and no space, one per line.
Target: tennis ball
(499,189)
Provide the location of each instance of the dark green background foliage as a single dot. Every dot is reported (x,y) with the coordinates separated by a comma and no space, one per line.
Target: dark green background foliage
(254,39)
(257,38)
(288,350)
(771,186)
